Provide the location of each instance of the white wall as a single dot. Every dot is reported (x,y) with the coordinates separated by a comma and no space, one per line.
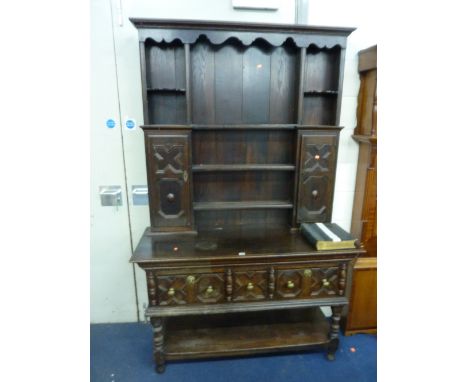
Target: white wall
(112,282)
(348,14)
(117,289)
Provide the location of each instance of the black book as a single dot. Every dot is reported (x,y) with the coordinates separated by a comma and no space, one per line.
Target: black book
(328,236)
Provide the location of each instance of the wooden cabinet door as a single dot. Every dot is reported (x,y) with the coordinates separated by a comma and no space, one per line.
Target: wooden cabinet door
(168,160)
(317,163)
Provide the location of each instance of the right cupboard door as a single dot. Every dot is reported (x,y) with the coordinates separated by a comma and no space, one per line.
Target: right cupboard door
(317,163)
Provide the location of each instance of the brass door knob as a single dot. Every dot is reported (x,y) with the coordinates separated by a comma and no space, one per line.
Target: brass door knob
(209,290)
(171,292)
(250,286)
(290,284)
(325,282)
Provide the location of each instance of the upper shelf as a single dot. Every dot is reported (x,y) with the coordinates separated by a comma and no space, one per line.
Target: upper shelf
(239,127)
(188,31)
(165,90)
(243,205)
(321,92)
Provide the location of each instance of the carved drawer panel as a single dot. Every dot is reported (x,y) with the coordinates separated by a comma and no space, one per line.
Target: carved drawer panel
(289,283)
(244,284)
(311,282)
(189,289)
(173,290)
(210,288)
(250,285)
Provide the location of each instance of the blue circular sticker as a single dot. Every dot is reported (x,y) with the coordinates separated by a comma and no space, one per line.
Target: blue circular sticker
(110,123)
(130,124)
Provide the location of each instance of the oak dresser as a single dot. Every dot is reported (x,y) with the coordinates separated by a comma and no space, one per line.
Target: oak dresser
(241,141)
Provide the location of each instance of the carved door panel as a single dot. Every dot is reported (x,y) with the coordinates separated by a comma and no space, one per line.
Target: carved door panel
(169,179)
(317,163)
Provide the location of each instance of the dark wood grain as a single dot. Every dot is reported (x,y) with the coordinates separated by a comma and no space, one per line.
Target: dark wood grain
(319,109)
(203,80)
(322,69)
(189,31)
(201,206)
(228,65)
(261,242)
(245,334)
(316,179)
(166,107)
(168,157)
(256,84)
(284,84)
(188,82)
(242,167)
(241,146)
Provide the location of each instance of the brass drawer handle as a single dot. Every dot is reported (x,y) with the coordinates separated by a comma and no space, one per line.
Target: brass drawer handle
(171,292)
(209,290)
(250,286)
(325,282)
(170,197)
(290,284)
(190,279)
(315,194)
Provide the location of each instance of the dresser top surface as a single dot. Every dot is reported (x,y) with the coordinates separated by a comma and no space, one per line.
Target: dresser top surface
(217,32)
(231,245)
(232,25)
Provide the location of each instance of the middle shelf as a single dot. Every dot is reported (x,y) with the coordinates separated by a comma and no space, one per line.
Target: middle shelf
(242,167)
(258,204)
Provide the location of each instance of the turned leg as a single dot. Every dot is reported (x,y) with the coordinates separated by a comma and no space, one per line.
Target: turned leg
(158,344)
(334,332)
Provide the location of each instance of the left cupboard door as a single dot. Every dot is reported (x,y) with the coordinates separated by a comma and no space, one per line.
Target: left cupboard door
(169,178)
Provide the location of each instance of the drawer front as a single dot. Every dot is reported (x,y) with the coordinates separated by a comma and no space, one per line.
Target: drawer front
(202,288)
(244,284)
(250,285)
(309,283)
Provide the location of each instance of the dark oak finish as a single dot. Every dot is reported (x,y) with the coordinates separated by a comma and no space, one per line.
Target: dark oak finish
(245,333)
(169,179)
(317,164)
(241,146)
(362,315)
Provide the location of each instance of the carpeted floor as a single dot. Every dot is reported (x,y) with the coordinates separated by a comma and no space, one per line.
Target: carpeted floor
(123,353)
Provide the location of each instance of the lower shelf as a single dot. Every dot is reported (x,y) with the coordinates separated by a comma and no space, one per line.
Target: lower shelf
(245,333)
